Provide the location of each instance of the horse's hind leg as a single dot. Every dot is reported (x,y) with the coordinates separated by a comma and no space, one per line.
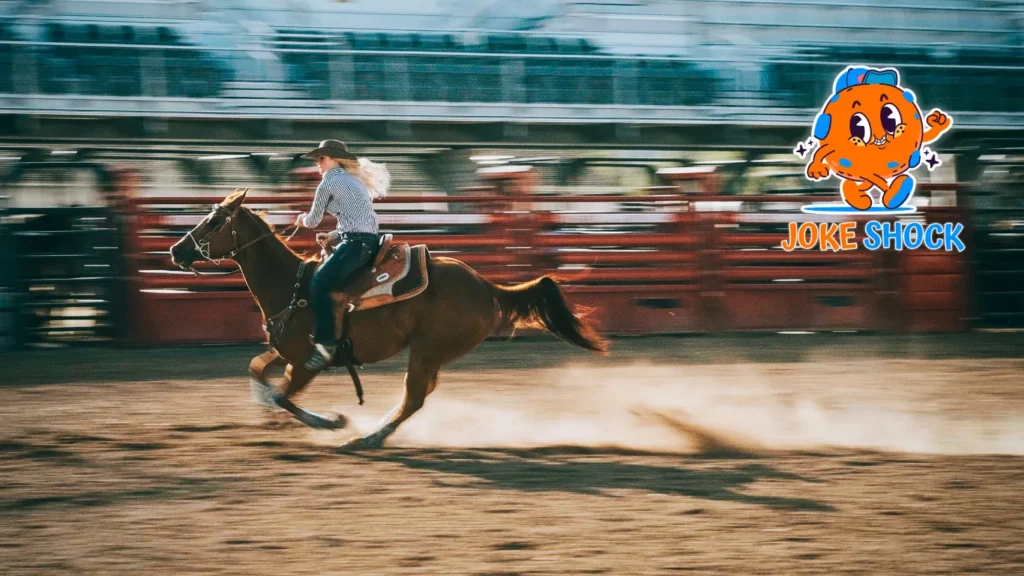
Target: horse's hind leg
(419,381)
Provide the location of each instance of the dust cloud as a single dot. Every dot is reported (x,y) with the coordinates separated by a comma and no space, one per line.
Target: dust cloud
(726,409)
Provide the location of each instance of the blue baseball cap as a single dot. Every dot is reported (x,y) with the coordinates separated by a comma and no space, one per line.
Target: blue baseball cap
(854,76)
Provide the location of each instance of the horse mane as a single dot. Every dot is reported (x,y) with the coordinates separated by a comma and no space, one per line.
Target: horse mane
(261,218)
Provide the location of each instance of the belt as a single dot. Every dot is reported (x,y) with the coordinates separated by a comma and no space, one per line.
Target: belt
(361,236)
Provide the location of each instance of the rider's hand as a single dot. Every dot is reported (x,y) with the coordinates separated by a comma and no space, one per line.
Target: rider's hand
(299,218)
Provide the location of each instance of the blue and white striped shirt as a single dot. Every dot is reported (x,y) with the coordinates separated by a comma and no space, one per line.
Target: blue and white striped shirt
(347,199)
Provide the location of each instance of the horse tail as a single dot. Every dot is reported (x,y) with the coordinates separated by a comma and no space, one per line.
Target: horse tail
(540,303)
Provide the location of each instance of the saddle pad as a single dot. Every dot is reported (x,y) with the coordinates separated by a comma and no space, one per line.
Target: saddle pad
(401,275)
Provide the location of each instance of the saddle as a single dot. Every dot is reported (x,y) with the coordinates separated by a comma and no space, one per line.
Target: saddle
(399,272)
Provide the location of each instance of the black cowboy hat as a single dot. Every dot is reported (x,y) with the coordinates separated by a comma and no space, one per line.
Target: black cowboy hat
(331,149)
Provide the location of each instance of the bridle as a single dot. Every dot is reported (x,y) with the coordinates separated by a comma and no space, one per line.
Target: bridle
(203,245)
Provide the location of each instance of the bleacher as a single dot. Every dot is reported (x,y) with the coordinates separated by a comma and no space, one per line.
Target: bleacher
(866,22)
(739,56)
(975,79)
(115,66)
(6,60)
(494,68)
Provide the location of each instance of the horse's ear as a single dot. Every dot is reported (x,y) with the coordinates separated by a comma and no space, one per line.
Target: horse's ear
(232,202)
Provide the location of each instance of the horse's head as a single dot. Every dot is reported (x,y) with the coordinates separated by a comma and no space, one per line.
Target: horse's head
(214,238)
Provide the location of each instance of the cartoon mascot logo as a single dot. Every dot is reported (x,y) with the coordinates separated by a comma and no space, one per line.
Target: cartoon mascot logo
(870,134)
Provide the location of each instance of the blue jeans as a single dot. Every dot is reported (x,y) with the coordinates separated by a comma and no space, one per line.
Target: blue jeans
(354,252)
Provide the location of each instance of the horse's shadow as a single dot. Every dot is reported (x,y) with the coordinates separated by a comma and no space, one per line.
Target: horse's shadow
(601,472)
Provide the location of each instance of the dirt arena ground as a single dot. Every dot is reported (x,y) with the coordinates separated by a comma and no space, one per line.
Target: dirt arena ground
(743,455)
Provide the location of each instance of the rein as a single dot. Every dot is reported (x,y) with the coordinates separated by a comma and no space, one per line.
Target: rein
(292,235)
(278,322)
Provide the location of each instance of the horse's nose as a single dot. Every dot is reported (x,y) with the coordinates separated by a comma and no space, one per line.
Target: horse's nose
(175,252)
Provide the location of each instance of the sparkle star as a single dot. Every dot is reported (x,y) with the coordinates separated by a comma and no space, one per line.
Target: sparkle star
(801,150)
(932,160)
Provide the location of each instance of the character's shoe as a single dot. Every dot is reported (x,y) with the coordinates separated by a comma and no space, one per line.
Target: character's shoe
(321,358)
(899,191)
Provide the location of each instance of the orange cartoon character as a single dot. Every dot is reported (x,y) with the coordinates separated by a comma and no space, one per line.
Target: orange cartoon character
(870,135)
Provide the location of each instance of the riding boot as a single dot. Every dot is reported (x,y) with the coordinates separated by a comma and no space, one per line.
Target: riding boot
(324,352)
(322,356)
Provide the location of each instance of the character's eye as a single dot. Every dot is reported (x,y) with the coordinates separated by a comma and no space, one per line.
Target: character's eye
(891,118)
(860,127)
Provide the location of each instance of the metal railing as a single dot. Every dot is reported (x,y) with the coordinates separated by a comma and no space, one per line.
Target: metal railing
(67,273)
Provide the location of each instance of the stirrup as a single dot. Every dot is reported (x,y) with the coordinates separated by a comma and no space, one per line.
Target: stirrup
(321,357)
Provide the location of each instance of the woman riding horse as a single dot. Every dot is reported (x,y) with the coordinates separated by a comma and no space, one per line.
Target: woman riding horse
(348,188)
(456,311)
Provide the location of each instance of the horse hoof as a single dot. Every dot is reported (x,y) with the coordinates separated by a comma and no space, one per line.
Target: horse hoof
(262,394)
(326,423)
(361,443)
(340,422)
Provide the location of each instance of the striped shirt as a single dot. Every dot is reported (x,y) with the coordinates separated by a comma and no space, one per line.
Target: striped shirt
(346,198)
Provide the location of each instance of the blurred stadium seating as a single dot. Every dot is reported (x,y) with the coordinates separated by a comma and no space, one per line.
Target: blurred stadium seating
(966,78)
(108,60)
(964,55)
(6,59)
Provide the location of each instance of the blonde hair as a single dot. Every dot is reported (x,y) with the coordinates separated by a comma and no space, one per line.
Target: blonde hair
(375,176)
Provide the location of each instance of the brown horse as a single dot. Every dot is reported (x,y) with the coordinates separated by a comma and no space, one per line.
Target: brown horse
(456,312)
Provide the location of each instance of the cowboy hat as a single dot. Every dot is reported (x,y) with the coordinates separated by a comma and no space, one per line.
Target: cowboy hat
(331,149)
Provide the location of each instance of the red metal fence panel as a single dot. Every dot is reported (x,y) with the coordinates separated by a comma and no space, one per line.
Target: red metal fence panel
(664,263)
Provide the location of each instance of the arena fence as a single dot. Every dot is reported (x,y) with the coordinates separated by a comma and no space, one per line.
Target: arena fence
(8,326)
(665,262)
(65,274)
(998,258)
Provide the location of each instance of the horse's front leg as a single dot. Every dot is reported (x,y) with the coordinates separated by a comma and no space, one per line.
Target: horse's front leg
(295,380)
(262,391)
